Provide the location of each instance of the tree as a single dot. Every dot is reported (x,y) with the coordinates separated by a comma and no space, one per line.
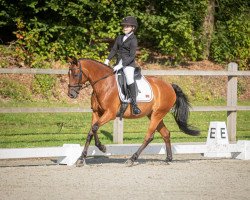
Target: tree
(208,28)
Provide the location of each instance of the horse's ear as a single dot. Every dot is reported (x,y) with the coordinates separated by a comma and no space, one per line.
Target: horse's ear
(72,60)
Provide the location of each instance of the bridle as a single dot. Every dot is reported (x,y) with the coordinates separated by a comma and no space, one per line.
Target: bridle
(79,85)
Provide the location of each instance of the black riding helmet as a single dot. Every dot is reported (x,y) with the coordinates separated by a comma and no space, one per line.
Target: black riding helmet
(130,21)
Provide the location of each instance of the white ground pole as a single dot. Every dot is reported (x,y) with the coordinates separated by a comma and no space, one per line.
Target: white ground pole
(216,146)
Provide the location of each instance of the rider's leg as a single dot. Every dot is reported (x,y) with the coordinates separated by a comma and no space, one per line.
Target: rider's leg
(129,74)
(132,91)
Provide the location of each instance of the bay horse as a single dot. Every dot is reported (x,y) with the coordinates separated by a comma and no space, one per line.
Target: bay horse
(105,103)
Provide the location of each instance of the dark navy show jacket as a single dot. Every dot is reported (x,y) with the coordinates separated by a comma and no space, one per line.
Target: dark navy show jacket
(124,50)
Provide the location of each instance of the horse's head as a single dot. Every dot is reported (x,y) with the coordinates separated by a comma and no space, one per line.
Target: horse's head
(76,78)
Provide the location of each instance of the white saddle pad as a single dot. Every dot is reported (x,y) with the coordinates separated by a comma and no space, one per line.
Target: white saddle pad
(145,93)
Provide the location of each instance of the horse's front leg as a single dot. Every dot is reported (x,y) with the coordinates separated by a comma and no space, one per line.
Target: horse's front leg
(82,159)
(106,117)
(98,144)
(95,127)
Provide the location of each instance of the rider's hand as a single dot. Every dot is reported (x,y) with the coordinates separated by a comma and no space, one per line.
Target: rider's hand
(106,62)
(117,67)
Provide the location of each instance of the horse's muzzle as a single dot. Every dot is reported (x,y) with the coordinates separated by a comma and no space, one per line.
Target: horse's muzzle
(72,94)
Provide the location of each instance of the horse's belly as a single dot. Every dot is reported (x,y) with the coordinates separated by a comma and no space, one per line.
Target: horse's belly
(146,109)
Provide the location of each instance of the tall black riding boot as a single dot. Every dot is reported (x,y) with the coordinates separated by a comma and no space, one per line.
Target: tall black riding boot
(132,92)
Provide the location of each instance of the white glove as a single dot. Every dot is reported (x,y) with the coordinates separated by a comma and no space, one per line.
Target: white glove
(106,62)
(117,67)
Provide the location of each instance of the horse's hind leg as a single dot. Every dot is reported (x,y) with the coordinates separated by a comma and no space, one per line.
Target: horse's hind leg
(149,137)
(166,137)
(155,119)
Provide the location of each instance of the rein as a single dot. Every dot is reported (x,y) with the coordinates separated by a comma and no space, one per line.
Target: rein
(80,86)
(102,78)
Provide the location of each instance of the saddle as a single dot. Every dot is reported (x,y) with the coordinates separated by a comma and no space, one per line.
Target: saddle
(143,89)
(123,85)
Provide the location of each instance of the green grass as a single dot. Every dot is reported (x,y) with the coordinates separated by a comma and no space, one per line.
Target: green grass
(44,129)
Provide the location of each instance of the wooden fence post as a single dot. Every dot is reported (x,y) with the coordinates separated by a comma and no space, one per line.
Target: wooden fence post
(232,101)
(118,131)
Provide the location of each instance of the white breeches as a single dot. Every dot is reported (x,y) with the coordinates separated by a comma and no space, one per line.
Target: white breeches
(129,74)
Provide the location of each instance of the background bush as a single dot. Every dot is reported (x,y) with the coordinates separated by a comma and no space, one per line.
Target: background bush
(12,89)
(54,29)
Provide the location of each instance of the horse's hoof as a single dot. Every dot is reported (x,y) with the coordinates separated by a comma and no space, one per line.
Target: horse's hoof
(80,163)
(168,160)
(129,163)
(103,149)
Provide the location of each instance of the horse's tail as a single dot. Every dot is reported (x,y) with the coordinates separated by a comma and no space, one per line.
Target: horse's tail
(181,112)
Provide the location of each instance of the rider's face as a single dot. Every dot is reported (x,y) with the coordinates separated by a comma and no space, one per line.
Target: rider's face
(127,29)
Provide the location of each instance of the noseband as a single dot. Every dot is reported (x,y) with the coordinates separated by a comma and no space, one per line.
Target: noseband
(80,85)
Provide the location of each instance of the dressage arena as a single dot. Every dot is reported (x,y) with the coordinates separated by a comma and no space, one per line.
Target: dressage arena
(189,176)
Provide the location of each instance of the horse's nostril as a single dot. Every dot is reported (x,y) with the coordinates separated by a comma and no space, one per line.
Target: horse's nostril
(71,95)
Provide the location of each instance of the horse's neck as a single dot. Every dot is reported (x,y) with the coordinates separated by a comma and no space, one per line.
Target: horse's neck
(97,72)
(98,75)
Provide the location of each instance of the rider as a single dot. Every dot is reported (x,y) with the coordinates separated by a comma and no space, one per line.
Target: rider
(125,49)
